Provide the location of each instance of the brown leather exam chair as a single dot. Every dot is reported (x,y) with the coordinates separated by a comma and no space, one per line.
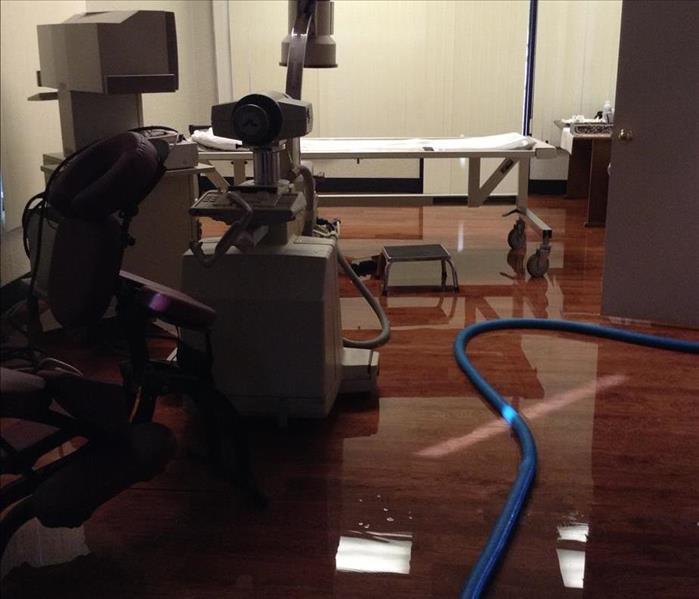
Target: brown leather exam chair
(96,193)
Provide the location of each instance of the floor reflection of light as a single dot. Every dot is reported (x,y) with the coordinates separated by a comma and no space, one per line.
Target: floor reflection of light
(460,238)
(40,546)
(497,426)
(572,565)
(576,531)
(374,552)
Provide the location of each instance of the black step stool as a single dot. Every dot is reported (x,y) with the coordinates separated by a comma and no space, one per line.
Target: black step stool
(418,253)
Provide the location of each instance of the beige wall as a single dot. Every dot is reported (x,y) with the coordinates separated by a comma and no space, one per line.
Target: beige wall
(28,128)
(412,68)
(428,67)
(576,62)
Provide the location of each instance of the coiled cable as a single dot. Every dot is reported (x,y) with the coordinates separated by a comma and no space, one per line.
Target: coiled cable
(311,210)
(385,333)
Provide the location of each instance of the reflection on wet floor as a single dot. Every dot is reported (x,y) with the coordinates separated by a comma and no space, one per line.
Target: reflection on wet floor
(496,427)
(368,552)
(572,564)
(395,496)
(38,546)
(35,544)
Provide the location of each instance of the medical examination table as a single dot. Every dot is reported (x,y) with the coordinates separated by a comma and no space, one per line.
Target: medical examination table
(510,148)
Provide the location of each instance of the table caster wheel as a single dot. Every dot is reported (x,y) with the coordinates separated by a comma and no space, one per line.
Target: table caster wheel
(516,238)
(538,264)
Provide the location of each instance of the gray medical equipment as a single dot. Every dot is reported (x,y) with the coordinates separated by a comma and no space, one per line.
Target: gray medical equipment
(273,284)
(100,63)
(264,122)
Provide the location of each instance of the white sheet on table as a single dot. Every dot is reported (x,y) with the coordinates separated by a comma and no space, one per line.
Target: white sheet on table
(358,144)
(505,141)
(206,137)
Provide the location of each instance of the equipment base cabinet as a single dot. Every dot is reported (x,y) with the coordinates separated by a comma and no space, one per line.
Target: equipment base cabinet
(277,337)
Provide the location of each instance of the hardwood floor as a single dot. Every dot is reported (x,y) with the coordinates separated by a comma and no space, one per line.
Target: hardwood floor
(394,496)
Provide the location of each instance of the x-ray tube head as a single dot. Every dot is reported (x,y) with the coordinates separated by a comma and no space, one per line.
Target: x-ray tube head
(262,119)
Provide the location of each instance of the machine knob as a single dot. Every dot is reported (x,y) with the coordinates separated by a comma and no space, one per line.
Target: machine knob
(625,135)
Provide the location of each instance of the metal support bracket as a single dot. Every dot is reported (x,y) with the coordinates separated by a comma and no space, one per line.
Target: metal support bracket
(477,193)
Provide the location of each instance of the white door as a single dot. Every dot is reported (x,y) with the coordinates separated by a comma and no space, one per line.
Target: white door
(651,269)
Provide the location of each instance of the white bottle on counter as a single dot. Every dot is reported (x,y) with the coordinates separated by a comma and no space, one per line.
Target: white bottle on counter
(607,113)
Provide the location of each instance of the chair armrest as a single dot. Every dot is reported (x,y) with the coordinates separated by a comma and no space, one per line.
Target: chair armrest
(169,304)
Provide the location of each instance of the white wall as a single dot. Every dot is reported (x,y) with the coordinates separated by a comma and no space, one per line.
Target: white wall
(410,68)
(576,62)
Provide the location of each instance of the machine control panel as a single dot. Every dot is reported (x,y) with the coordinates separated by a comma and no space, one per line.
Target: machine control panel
(269,206)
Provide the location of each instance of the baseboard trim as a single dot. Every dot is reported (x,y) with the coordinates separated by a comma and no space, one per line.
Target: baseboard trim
(548,186)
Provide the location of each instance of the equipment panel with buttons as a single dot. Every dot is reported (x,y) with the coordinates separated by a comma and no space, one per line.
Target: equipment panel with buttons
(269,206)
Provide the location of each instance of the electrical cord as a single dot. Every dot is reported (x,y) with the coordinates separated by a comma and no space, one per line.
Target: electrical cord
(311,209)
(385,333)
(27,213)
(502,531)
(42,207)
(230,237)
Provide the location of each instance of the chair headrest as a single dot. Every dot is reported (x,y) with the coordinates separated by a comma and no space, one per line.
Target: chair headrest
(111,175)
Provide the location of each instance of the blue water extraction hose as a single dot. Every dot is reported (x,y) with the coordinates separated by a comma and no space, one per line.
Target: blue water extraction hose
(502,531)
